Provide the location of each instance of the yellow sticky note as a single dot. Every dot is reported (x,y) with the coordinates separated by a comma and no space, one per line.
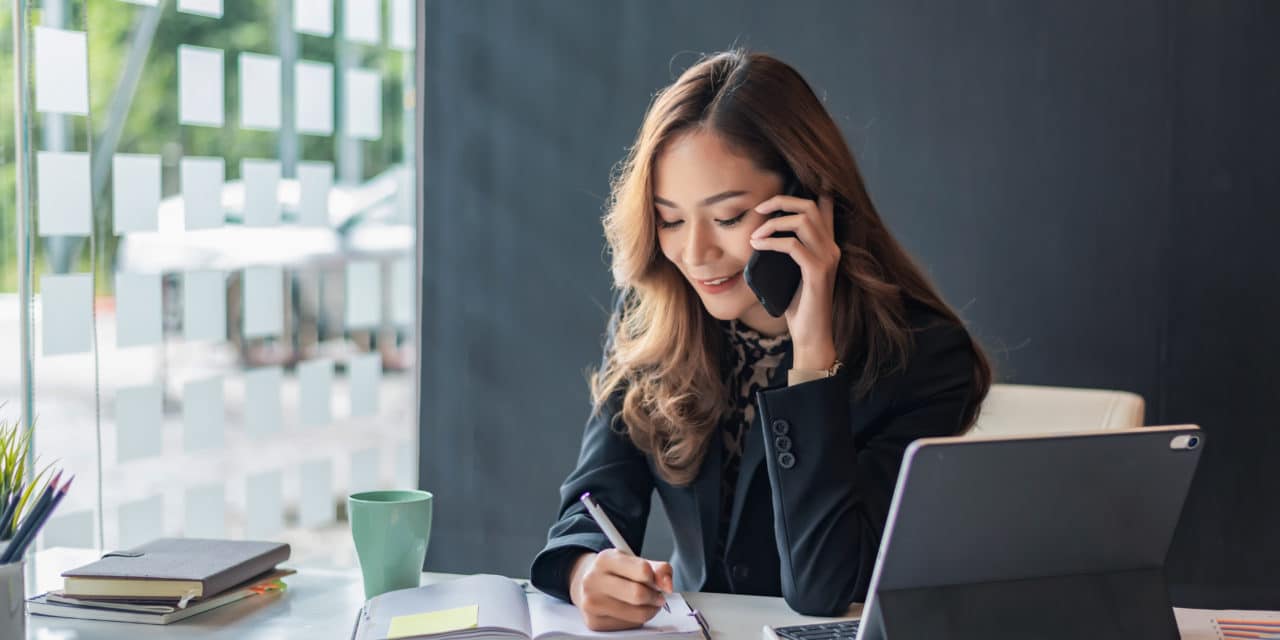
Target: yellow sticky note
(424,624)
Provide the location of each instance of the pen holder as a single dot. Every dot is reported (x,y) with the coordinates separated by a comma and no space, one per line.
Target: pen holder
(13,620)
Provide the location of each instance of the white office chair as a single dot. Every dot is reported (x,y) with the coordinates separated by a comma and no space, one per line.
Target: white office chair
(1014,409)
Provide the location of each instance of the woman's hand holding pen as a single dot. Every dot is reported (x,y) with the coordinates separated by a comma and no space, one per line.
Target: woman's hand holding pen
(614,590)
(809,317)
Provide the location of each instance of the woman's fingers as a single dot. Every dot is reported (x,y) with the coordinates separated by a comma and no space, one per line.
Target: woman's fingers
(622,591)
(663,576)
(617,598)
(631,593)
(628,566)
(788,203)
(652,573)
(814,222)
(802,226)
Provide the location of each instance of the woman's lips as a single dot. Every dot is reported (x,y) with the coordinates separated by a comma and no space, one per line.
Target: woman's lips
(721,285)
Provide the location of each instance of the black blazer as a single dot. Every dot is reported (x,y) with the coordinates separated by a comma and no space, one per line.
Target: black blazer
(807,523)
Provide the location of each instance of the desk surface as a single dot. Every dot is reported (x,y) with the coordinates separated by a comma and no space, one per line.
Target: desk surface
(322,603)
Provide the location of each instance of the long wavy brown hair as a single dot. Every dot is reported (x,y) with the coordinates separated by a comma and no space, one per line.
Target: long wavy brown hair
(666,353)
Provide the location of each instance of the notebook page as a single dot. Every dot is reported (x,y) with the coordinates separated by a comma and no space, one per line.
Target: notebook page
(503,610)
(552,618)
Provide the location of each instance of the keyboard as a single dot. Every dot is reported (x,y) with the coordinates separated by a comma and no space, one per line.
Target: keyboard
(839,630)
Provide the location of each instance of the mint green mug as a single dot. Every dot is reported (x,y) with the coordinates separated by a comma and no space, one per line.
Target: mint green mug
(391,530)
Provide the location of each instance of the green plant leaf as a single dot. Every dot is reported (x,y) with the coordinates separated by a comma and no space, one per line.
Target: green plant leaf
(27,497)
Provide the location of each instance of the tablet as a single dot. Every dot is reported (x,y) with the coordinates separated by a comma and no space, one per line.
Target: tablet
(1046,536)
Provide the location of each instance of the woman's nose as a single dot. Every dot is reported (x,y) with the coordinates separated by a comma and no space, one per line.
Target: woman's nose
(700,246)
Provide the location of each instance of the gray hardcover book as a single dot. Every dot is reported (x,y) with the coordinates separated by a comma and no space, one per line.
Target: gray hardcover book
(58,605)
(173,568)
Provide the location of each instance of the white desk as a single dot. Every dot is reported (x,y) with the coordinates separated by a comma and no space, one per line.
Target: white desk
(323,604)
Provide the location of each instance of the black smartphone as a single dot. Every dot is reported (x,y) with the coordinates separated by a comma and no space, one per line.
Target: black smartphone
(772,275)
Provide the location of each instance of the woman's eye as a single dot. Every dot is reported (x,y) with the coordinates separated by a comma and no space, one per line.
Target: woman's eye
(732,221)
(663,224)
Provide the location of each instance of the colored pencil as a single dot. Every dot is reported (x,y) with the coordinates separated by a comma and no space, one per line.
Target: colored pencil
(7,516)
(44,517)
(34,520)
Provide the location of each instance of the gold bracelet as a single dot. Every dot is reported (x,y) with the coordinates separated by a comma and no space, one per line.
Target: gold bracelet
(800,376)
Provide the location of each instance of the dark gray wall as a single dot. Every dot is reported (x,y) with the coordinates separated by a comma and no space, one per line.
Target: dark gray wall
(1093,184)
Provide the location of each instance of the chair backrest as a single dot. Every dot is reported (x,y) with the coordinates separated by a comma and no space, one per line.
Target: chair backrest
(1012,409)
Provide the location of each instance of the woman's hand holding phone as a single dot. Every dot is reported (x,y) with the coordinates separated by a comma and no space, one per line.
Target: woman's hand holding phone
(809,317)
(616,591)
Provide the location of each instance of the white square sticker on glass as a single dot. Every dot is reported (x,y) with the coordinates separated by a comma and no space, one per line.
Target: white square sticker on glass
(139,412)
(62,191)
(364,470)
(407,464)
(313,104)
(135,189)
(205,512)
(402,290)
(365,383)
(364,294)
(261,182)
(402,23)
(362,19)
(204,305)
(200,98)
(212,8)
(316,506)
(259,92)
(264,502)
(263,301)
(406,195)
(203,414)
(62,71)
(66,313)
(202,181)
(138,309)
(263,412)
(315,179)
(141,521)
(315,392)
(73,529)
(313,17)
(363,102)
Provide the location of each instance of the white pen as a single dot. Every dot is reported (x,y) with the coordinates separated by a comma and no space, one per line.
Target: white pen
(610,531)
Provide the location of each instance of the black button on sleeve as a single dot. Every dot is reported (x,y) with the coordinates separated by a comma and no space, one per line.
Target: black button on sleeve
(786,460)
(782,443)
(781,427)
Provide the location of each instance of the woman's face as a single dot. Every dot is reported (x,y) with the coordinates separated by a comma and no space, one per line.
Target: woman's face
(704,196)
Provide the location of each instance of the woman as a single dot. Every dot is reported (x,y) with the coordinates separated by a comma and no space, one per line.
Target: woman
(773,442)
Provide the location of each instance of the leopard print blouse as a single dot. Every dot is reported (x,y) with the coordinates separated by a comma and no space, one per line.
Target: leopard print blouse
(756,358)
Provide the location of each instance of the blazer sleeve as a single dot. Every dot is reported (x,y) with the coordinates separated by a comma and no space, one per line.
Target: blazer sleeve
(618,476)
(833,465)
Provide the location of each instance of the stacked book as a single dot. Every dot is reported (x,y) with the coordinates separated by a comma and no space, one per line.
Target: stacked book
(166,580)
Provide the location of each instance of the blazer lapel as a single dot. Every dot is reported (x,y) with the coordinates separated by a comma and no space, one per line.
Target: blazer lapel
(706,488)
(753,450)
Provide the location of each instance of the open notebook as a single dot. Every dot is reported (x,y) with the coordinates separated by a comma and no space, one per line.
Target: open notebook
(503,610)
